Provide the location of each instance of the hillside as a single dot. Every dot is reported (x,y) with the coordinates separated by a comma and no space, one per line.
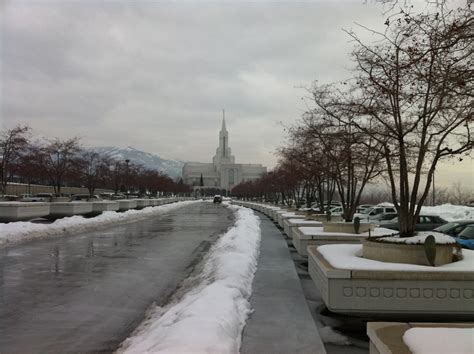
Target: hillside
(173,168)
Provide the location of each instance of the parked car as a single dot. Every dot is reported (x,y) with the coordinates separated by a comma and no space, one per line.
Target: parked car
(466,237)
(387,218)
(363,207)
(40,197)
(85,197)
(217,199)
(336,210)
(9,198)
(29,198)
(315,207)
(375,213)
(47,197)
(454,228)
(424,223)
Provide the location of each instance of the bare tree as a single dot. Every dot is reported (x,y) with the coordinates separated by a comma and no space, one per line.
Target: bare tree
(93,169)
(12,143)
(59,158)
(460,195)
(316,168)
(412,94)
(354,156)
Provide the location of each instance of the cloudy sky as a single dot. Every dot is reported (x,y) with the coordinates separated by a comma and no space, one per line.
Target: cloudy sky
(156,75)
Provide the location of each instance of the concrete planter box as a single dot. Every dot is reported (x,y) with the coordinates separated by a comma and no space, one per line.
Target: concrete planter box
(387,337)
(347,227)
(403,253)
(142,203)
(381,293)
(65,209)
(20,211)
(301,241)
(324,217)
(290,224)
(276,213)
(292,215)
(126,204)
(270,211)
(100,207)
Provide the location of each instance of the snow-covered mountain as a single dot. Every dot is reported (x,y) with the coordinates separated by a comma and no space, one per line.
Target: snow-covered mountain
(172,168)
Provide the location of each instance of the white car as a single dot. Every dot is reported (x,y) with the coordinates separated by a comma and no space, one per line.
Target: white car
(376,213)
(336,211)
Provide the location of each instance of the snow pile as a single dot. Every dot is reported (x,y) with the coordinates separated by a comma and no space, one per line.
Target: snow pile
(441,239)
(23,230)
(450,212)
(342,256)
(210,317)
(330,335)
(440,340)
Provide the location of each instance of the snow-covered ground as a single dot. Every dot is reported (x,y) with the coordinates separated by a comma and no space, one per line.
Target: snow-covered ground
(209,317)
(349,257)
(15,232)
(450,212)
(440,340)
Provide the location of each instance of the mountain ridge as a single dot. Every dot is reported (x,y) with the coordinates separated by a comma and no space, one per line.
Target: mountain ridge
(171,167)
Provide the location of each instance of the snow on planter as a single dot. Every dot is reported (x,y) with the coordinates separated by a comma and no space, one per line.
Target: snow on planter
(305,236)
(419,239)
(349,257)
(439,340)
(210,317)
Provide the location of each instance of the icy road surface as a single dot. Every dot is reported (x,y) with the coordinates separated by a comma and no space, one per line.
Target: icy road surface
(88,292)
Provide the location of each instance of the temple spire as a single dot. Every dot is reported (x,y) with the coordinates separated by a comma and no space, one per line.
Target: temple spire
(223,121)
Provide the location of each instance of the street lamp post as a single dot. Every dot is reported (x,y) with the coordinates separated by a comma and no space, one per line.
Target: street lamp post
(127,181)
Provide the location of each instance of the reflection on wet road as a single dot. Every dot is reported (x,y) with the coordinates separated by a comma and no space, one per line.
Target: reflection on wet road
(86,293)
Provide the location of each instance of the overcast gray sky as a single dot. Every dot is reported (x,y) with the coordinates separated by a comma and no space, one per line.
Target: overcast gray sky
(156,75)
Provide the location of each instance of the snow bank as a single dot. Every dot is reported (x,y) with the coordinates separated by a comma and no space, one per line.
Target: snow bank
(440,340)
(330,335)
(348,257)
(450,212)
(15,232)
(210,317)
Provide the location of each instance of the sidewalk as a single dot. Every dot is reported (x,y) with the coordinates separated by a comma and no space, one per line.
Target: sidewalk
(281,322)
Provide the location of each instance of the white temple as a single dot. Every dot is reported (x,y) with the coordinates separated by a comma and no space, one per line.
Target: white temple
(223,172)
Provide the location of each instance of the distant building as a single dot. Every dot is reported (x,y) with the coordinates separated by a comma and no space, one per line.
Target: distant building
(223,172)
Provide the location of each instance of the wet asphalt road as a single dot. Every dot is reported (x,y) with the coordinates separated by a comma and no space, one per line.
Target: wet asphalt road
(88,292)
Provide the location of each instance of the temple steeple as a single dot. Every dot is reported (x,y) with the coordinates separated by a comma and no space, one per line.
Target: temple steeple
(223,121)
(223,152)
